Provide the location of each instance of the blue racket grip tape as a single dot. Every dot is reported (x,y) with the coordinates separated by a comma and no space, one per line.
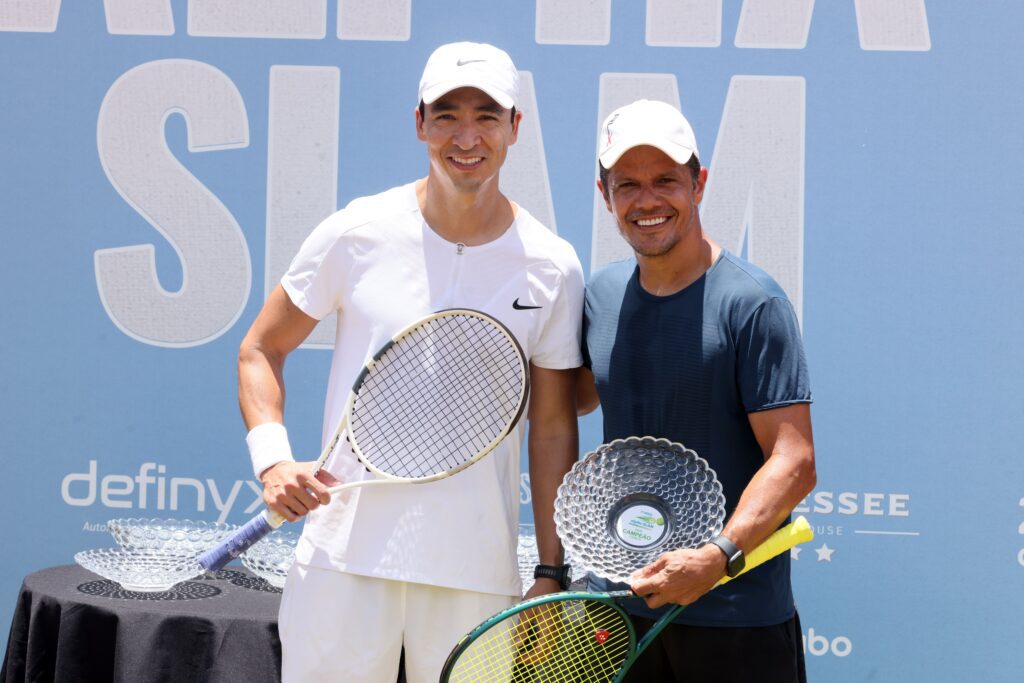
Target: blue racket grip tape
(256,528)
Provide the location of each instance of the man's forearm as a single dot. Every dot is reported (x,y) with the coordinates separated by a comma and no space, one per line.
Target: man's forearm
(787,476)
(550,458)
(260,387)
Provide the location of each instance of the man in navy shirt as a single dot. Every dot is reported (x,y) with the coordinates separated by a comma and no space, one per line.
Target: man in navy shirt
(691,343)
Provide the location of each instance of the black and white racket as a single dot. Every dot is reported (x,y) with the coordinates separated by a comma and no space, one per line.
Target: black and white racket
(432,401)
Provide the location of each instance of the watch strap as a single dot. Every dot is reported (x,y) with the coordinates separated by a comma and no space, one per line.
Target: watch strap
(561,573)
(735,561)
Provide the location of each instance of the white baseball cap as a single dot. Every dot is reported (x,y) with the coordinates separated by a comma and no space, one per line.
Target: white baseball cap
(646,122)
(473,65)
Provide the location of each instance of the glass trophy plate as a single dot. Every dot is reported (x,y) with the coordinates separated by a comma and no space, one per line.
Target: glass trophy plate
(168,536)
(272,557)
(627,502)
(142,571)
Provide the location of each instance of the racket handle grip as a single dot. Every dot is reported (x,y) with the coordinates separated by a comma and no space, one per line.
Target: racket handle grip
(256,528)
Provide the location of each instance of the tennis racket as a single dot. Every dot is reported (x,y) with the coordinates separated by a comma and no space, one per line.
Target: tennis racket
(432,401)
(575,637)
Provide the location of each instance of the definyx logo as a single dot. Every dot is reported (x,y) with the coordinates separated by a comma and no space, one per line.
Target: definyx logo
(150,488)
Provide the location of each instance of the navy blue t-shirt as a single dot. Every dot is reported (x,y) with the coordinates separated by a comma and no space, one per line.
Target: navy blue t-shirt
(689,367)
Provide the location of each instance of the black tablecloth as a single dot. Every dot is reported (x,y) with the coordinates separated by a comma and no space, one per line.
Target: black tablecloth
(71,625)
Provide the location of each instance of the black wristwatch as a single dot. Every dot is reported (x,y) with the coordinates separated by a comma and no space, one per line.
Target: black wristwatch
(735,561)
(561,573)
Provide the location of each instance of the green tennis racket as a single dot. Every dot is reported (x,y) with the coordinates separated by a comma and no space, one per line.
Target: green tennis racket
(574,637)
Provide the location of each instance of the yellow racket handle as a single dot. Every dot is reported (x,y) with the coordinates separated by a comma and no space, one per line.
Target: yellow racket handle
(789,536)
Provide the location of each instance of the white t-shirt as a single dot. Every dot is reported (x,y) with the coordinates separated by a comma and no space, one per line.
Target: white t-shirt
(380,267)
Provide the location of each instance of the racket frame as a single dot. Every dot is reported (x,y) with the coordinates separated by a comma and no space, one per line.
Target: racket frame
(353,396)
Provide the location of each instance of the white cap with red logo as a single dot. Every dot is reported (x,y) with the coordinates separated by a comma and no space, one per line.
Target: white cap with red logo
(646,122)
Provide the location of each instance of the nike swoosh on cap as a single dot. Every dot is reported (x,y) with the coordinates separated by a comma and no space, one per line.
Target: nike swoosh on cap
(464,62)
(519,307)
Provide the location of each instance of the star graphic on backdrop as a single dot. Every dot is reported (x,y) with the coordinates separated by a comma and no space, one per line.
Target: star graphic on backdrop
(825,553)
(794,553)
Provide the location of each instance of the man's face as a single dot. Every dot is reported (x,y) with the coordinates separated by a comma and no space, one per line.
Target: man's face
(468,135)
(654,200)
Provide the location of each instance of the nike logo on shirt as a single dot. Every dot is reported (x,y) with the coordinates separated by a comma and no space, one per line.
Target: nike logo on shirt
(519,307)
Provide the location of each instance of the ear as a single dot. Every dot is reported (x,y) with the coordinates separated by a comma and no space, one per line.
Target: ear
(420,133)
(698,185)
(605,195)
(515,127)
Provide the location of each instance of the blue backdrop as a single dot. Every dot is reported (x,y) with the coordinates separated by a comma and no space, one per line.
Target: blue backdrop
(161,160)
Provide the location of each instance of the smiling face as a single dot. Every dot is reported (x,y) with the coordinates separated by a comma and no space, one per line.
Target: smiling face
(468,135)
(654,200)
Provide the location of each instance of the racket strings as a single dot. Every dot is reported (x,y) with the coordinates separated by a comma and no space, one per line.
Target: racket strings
(438,397)
(583,641)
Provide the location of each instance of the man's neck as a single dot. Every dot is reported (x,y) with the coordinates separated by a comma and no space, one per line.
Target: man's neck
(681,267)
(470,218)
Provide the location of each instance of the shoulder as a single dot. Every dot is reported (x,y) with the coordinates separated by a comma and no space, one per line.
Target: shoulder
(741,280)
(377,209)
(749,298)
(612,277)
(544,245)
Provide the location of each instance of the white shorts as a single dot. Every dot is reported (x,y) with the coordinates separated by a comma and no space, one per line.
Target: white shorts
(345,627)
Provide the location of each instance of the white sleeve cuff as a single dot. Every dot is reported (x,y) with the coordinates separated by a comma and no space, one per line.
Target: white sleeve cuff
(268,445)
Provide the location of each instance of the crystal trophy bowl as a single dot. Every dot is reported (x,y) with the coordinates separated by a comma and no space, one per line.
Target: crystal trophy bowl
(272,556)
(627,502)
(180,537)
(139,570)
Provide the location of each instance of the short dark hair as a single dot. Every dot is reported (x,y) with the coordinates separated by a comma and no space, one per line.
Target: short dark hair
(693,164)
(423,111)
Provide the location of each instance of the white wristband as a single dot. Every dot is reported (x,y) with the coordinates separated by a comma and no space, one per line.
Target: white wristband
(268,445)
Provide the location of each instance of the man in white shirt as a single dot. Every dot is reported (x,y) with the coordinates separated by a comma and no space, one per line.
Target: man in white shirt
(380,568)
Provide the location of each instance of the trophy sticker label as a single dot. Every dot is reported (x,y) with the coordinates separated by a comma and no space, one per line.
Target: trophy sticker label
(640,525)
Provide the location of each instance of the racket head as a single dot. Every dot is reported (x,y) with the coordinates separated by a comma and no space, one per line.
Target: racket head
(437,398)
(576,636)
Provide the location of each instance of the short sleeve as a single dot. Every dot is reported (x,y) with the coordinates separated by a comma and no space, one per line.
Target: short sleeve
(771,367)
(558,346)
(318,272)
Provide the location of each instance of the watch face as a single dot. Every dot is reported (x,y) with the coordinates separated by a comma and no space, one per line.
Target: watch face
(734,559)
(736,563)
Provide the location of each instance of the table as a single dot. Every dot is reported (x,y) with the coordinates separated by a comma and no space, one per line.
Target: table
(71,625)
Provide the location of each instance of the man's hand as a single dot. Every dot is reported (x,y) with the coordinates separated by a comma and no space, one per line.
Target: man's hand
(542,586)
(536,636)
(291,490)
(680,576)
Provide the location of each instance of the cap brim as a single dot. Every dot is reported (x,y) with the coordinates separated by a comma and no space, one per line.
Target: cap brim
(678,153)
(438,90)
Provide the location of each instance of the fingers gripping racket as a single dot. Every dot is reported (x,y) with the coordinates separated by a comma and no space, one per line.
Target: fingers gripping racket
(577,637)
(432,401)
